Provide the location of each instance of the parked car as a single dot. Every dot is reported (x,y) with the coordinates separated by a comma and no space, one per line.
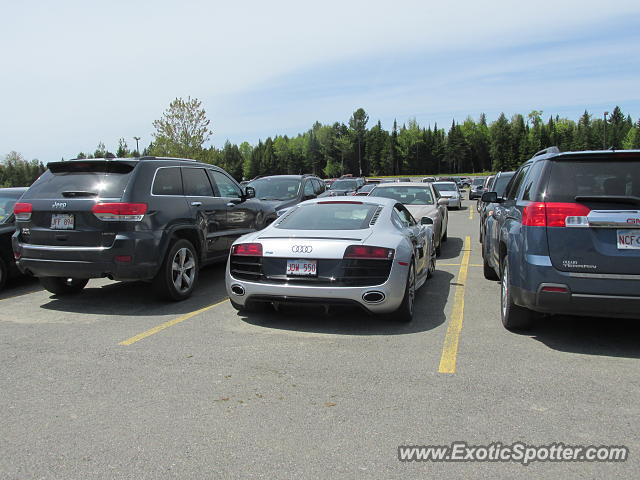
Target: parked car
(8,198)
(344,186)
(568,240)
(477,187)
(486,187)
(428,179)
(366,189)
(284,191)
(451,192)
(148,218)
(328,182)
(421,201)
(404,179)
(499,185)
(368,252)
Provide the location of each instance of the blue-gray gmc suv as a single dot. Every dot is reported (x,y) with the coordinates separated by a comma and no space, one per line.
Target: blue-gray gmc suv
(568,237)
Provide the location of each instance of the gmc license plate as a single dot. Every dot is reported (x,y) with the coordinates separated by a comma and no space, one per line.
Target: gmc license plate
(302,268)
(62,221)
(629,239)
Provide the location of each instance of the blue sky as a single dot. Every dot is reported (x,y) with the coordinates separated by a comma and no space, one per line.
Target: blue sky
(75,73)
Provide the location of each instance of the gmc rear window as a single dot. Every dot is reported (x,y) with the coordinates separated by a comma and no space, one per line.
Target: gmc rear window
(601,178)
(82,179)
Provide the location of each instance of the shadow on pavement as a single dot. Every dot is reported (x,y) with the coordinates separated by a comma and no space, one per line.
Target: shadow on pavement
(20,285)
(451,248)
(431,300)
(590,336)
(139,298)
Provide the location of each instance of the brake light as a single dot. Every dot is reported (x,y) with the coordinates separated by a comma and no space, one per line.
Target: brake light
(554,214)
(365,251)
(22,211)
(120,212)
(247,249)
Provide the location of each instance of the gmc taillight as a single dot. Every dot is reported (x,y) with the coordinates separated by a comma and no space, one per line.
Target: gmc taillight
(247,249)
(22,211)
(365,251)
(552,214)
(119,211)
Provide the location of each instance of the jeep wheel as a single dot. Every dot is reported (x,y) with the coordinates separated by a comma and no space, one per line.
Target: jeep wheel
(63,285)
(178,274)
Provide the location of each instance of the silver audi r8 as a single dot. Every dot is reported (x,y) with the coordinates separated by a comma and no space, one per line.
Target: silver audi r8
(368,252)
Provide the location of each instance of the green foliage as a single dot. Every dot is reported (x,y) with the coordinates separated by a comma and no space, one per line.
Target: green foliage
(182,131)
(16,171)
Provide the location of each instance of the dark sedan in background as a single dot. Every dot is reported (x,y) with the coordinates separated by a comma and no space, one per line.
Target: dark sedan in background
(8,198)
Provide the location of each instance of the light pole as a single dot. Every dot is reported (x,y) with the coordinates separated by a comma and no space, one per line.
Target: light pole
(359,159)
(137,148)
(604,140)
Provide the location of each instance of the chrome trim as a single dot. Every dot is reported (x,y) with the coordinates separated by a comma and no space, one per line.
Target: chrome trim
(607,276)
(62,248)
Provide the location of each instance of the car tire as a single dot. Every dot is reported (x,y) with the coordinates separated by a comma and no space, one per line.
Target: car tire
(178,274)
(489,272)
(63,285)
(439,249)
(404,313)
(445,237)
(514,317)
(4,272)
(431,268)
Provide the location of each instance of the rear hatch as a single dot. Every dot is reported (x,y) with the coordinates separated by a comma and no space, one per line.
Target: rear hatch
(593,213)
(62,200)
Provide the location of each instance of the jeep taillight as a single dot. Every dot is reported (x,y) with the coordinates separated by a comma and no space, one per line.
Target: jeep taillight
(120,211)
(22,211)
(554,214)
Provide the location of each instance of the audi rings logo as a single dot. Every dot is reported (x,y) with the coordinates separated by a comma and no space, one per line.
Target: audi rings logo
(302,249)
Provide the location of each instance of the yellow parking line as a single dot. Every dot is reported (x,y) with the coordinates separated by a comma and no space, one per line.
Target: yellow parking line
(452,337)
(168,324)
(458,264)
(471,210)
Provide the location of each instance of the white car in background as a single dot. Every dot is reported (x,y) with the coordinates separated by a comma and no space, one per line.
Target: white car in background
(362,251)
(450,191)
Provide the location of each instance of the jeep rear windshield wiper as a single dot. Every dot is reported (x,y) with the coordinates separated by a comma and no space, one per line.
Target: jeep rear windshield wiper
(79,193)
(608,199)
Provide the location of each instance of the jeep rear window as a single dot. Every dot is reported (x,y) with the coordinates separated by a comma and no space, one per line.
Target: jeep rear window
(86,179)
(571,178)
(329,216)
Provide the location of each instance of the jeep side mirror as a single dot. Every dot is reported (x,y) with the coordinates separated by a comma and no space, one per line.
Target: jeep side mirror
(249,192)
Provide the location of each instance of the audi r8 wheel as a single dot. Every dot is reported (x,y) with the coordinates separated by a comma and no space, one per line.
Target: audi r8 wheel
(405,313)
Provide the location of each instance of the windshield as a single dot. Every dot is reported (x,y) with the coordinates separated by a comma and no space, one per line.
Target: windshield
(405,195)
(276,188)
(445,187)
(344,185)
(500,185)
(478,181)
(6,206)
(329,216)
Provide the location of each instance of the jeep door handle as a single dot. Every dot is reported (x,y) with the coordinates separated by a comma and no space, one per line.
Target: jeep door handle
(196,204)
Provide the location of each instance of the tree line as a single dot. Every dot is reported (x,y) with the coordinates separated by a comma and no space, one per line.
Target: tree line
(357,147)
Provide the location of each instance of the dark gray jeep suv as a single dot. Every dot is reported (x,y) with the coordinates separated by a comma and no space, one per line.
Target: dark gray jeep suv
(568,236)
(148,218)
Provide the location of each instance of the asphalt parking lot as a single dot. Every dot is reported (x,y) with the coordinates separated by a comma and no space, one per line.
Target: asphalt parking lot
(113,383)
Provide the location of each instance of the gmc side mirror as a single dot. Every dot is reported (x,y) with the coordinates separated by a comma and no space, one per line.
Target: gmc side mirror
(490,197)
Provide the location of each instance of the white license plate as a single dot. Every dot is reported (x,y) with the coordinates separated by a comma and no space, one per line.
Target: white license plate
(62,221)
(303,268)
(629,239)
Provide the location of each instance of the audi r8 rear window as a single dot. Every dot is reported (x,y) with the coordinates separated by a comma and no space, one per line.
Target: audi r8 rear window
(97,179)
(329,216)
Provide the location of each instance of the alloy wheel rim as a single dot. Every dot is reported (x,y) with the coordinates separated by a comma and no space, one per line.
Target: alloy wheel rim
(183,270)
(505,289)
(412,288)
